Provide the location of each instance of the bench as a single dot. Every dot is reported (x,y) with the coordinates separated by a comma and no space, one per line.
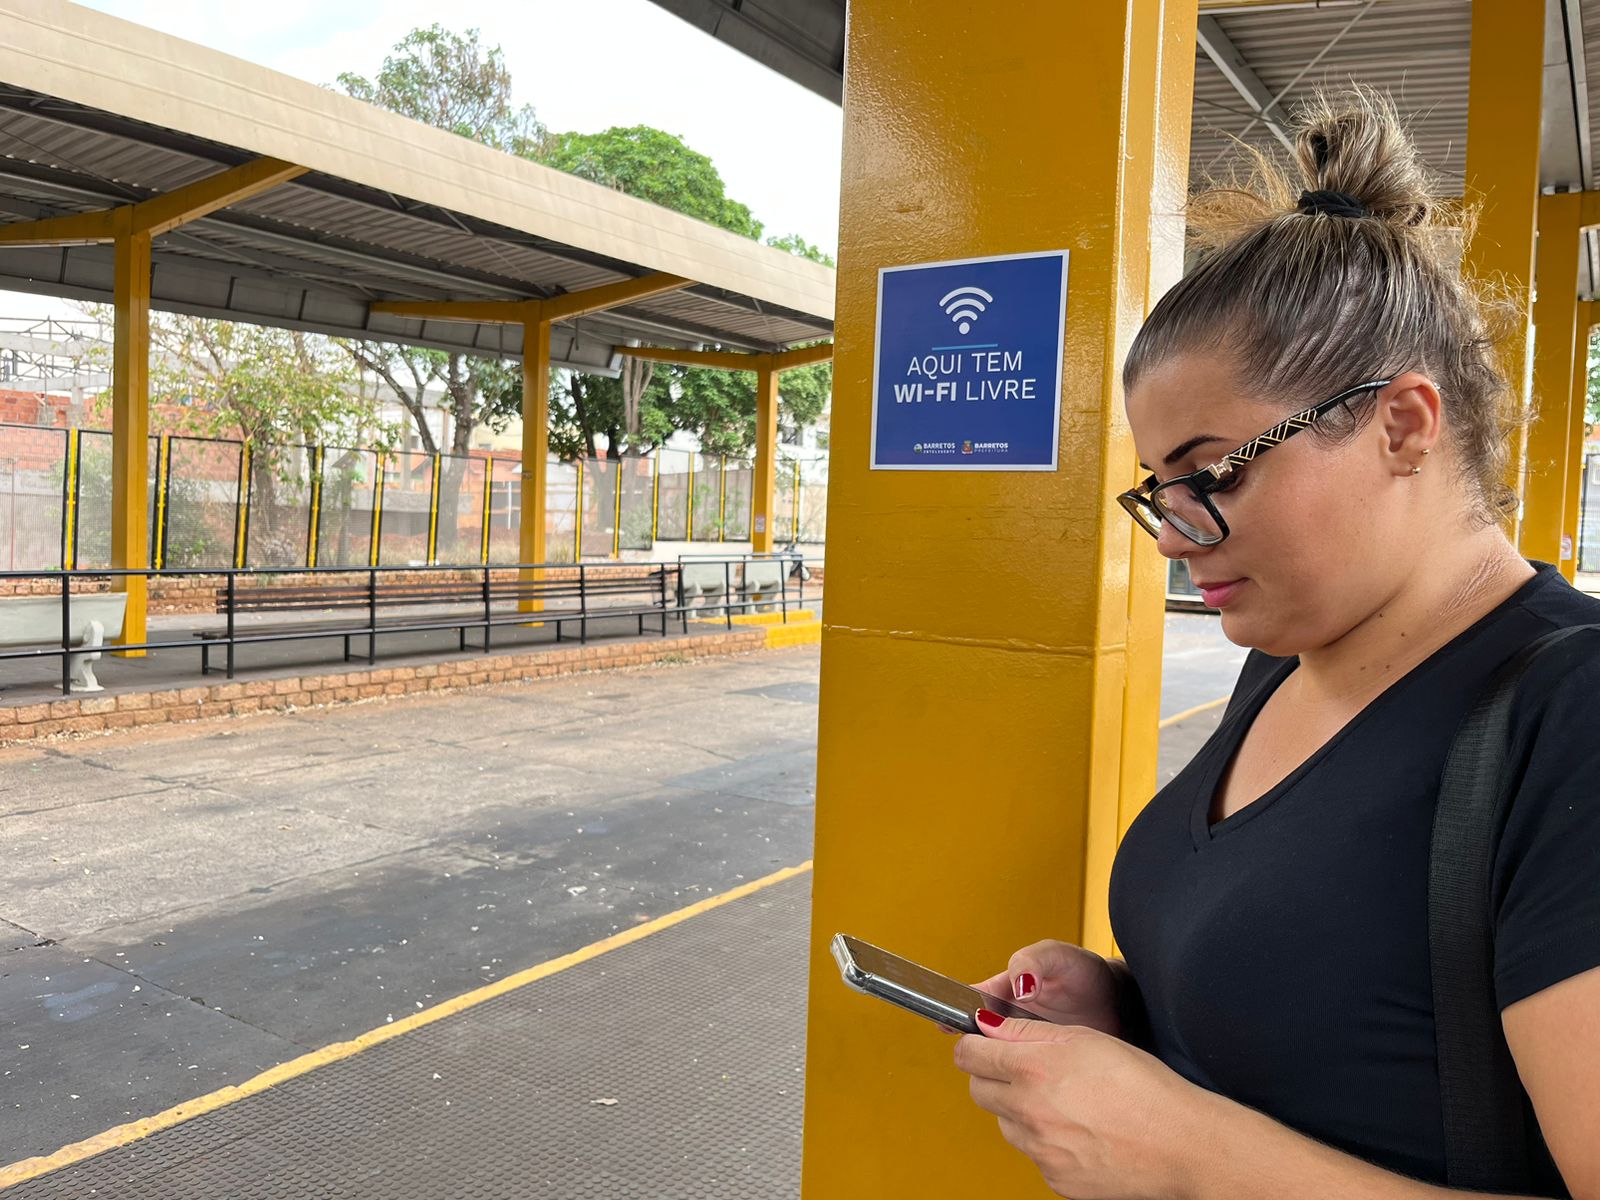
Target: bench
(36,620)
(763,581)
(581,597)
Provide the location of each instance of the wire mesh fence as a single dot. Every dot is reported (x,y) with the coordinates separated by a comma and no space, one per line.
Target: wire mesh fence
(217,503)
(33,498)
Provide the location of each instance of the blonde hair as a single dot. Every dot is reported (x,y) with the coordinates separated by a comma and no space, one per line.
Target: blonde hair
(1344,271)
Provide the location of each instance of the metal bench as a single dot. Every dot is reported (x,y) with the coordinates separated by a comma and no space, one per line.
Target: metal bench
(352,610)
(90,620)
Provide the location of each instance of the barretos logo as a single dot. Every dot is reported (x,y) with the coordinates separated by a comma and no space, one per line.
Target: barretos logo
(934,448)
(966,447)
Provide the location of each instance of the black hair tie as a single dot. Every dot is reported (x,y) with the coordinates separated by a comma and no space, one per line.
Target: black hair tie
(1333,204)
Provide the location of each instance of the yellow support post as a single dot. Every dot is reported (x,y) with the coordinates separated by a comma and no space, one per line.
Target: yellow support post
(977,731)
(488,502)
(1578,427)
(688,527)
(764,477)
(130,430)
(158,531)
(1555,317)
(577,517)
(1505,92)
(314,531)
(375,548)
(433,510)
(655,499)
(69,504)
(241,512)
(616,521)
(535,450)
(1170,79)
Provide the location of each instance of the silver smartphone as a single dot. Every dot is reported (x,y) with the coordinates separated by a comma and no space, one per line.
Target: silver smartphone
(876,972)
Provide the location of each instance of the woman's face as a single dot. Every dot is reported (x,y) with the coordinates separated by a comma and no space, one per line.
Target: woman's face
(1321,533)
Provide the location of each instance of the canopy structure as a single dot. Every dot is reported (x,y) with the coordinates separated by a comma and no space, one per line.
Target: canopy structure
(144,170)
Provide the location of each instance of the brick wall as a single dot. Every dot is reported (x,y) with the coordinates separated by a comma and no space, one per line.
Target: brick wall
(97,713)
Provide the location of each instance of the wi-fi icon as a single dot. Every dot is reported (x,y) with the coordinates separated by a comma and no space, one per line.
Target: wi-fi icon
(965,304)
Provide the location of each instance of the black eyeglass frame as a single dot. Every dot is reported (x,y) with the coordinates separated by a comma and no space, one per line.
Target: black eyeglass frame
(1141,500)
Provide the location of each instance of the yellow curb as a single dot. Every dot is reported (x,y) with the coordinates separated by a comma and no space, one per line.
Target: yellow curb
(133,1131)
(772,618)
(1193,712)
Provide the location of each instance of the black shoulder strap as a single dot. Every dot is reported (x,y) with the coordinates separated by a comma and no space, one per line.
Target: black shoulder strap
(1487,1144)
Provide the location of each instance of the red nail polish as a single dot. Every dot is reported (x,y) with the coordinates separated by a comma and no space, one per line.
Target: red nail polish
(1026,985)
(990,1020)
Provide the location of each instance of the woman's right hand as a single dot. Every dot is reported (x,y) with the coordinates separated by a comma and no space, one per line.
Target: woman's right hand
(1062,983)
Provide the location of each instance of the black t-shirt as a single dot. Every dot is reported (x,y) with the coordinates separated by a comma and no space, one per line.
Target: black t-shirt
(1282,953)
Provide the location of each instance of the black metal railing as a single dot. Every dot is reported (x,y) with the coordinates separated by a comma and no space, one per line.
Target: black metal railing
(361,602)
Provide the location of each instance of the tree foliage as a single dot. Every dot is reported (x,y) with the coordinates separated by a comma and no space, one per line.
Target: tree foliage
(450,81)
(270,387)
(654,166)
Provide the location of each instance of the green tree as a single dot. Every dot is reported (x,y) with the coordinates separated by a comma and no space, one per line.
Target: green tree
(279,390)
(654,166)
(450,81)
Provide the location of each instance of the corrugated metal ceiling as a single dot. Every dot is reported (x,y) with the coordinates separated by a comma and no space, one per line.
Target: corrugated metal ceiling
(314,252)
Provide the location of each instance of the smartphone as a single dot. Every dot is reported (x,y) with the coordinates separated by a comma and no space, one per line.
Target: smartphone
(875,972)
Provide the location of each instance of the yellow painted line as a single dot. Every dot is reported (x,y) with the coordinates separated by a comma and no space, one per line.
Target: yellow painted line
(133,1131)
(796,615)
(1193,712)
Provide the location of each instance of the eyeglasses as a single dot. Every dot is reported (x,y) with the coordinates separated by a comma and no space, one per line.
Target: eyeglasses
(1186,500)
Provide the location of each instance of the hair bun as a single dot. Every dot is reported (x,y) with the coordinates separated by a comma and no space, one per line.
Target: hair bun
(1333,204)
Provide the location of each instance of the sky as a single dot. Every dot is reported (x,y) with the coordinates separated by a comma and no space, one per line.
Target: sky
(584,65)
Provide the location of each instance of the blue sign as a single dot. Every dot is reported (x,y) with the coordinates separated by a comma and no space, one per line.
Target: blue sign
(968,374)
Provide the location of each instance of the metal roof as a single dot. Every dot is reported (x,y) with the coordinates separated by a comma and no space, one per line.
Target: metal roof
(97,112)
(1253,53)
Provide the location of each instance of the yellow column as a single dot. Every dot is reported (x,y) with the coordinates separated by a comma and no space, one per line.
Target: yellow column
(1168,168)
(975,649)
(130,427)
(1578,427)
(763,484)
(1504,97)
(1555,316)
(535,447)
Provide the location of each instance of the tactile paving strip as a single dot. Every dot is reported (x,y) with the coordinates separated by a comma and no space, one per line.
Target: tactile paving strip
(696,1032)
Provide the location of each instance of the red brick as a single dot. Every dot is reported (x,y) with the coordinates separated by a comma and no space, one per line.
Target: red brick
(27,714)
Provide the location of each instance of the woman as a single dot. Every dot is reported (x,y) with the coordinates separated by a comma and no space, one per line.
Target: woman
(1271,1033)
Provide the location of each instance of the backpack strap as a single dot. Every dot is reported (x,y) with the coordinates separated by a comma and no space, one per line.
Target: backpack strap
(1487,1136)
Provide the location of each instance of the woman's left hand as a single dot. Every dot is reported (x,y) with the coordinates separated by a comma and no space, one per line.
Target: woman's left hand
(1100,1118)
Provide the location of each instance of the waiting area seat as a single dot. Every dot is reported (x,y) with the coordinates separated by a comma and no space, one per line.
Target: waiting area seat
(78,620)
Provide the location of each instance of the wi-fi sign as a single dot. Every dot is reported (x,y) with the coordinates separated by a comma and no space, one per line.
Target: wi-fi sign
(965,305)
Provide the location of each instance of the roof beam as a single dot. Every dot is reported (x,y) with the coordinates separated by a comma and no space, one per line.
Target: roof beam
(1225,56)
(159,214)
(801,356)
(563,307)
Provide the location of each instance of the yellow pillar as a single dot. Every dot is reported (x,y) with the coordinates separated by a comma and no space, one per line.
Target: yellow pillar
(1173,88)
(765,476)
(975,648)
(130,427)
(535,437)
(1555,316)
(1504,98)
(1578,427)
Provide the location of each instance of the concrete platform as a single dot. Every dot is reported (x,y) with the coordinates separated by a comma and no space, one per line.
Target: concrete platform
(184,907)
(673,1066)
